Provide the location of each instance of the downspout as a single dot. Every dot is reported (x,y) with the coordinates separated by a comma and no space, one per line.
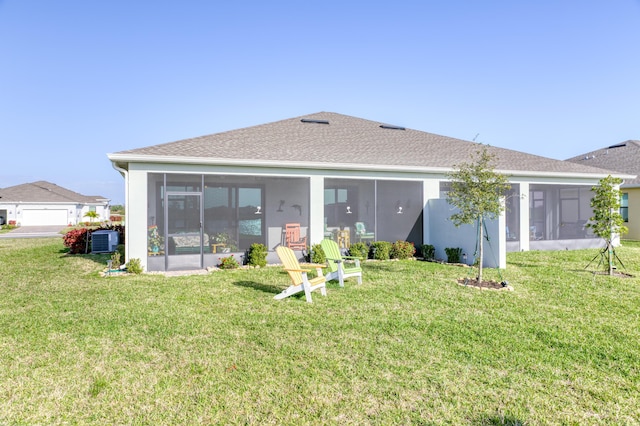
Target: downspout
(125,173)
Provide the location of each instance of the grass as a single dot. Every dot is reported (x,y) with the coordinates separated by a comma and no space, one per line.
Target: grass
(408,346)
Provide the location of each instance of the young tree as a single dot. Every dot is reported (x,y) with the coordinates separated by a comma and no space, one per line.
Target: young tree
(477,191)
(607,222)
(91,214)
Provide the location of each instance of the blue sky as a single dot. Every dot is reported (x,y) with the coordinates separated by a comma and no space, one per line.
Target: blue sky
(80,79)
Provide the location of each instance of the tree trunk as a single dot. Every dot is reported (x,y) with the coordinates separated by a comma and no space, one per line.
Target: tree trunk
(610,246)
(480,248)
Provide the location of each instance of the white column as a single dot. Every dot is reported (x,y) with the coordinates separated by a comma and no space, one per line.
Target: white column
(430,190)
(136,225)
(524,217)
(316,210)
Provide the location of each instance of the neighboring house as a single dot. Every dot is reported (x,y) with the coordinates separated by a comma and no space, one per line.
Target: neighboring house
(623,157)
(332,174)
(44,203)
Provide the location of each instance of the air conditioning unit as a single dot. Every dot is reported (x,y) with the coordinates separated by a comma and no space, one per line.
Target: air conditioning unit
(104,241)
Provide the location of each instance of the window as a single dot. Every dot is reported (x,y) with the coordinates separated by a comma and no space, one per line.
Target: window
(624,206)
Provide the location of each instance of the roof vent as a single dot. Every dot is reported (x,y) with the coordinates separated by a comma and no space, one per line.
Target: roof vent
(311,120)
(620,145)
(389,126)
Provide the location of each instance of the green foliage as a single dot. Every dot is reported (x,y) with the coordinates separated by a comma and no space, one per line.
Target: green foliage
(229,262)
(117,209)
(316,255)
(134,266)
(477,191)
(428,251)
(91,214)
(121,249)
(359,250)
(402,250)
(115,260)
(606,219)
(380,250)
(607,222)
(453,254)
(257,255)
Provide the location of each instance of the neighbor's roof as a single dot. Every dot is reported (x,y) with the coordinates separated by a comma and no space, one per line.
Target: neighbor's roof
(331,140)
(622,157)
(45,192)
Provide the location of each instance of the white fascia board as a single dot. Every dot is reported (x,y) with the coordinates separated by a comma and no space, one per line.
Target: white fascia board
(125,158)
(271,164)
(567,175)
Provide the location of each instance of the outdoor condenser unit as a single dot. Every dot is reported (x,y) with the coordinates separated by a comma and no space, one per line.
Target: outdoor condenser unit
(104,241)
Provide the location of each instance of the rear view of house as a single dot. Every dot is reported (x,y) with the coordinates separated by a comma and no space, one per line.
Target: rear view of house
(329,175)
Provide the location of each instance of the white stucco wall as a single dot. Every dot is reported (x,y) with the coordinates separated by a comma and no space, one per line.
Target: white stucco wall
(445,234)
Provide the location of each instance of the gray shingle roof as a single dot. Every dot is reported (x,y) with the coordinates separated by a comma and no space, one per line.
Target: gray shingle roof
(45,192)
(622,157)
(344,140)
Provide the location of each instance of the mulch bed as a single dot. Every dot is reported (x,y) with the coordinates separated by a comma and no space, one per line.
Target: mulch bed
(484,285)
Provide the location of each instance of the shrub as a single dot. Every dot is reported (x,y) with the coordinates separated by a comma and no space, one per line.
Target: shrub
(359,250)
(316,255)
(257,255)
(402,250)
(77,240)
(453,254)
(134,266)
(380,250)
(428,252)
(115,260)
(120,249)
(229,262)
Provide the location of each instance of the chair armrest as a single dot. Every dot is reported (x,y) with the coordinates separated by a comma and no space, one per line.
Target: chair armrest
(298,270)
(313,265)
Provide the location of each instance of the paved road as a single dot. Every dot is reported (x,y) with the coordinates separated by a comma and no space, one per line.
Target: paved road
(34,232)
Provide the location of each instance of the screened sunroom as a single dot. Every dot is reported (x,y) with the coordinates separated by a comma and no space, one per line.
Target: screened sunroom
(195,219)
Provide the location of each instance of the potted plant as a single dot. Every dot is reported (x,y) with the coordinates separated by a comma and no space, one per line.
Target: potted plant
(155,241)
(228,243)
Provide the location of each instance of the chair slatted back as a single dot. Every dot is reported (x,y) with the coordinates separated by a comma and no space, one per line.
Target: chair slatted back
(292,233)
(289,261)
(332,252)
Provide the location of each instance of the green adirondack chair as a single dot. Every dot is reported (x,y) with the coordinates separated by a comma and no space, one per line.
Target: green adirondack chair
(338,268)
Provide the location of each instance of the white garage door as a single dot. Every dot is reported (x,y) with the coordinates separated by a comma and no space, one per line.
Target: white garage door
(43,217)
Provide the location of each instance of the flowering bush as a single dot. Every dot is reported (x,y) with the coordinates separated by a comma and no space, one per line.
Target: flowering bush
(78,239)
(228,263)
(402,250)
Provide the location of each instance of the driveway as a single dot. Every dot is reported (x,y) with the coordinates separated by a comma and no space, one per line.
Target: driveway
(34,232)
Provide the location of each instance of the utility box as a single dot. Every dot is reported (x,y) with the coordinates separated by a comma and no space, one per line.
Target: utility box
(104,241)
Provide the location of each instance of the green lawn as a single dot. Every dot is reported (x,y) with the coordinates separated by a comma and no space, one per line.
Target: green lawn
(408,346)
